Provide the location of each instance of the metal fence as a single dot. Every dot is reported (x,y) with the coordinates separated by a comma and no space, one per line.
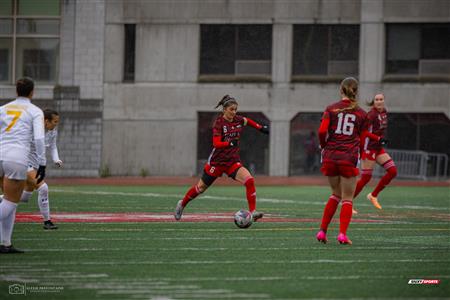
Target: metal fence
(417,165)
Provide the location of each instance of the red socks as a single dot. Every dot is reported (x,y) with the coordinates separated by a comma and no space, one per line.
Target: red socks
(251,193)
(366,175)
(391,172)
(346,215)
(329,211)
(191,194)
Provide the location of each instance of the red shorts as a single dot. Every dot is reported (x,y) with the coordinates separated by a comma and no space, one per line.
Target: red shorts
(372,154)
(335,169)
(217,171)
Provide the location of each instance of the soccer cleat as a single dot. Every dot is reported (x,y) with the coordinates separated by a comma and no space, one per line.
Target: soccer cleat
(178,210)
(374,200)
(48,225)
(354,211)
(9,250)
(343,239)
(257,215)
(321,236)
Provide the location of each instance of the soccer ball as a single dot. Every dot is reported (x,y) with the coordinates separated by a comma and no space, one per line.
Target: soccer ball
(243,218)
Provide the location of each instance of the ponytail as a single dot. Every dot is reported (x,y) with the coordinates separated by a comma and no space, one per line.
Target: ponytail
(349,88)
(226,101)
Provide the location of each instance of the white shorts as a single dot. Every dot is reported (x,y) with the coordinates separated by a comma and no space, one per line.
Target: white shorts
(13,170)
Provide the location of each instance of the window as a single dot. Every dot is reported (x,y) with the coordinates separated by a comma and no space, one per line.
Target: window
(418,50)
(325,51)
(235,52)
(304,153)
(29,40)
(130,49)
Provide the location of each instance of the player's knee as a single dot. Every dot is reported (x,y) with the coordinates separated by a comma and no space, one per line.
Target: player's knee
(249,181)
(43,189)
(201,188)
(392,171)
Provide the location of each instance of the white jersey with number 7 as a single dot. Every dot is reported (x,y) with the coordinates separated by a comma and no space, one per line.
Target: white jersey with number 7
(21,123)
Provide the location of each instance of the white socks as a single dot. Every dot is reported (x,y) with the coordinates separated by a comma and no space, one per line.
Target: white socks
(44,206)
(26,196)
(7,218)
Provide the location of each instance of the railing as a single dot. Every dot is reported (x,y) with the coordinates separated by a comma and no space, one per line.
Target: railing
(417,165)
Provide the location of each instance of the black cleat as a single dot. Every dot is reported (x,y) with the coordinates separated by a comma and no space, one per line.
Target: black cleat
(9,250)
(257,215)
(49,225)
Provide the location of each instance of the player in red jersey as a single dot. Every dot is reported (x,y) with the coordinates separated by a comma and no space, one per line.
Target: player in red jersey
(225,158)
(373,152)
(343,123)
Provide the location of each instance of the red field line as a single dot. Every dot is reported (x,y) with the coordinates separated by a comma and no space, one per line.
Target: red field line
(102,217)
(187,181)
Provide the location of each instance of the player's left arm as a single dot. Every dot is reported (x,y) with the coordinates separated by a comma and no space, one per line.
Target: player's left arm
(54,151)
(263,128)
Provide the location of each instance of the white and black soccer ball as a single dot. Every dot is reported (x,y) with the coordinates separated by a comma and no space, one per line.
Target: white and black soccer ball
(243,218)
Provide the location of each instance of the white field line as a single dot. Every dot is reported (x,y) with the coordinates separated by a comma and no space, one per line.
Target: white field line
(225,249)
(267,200)
(237,262)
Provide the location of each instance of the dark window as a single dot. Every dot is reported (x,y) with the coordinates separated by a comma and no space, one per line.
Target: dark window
(236,50)
(304,151)
(254,145)
(130,50)
(325,50)
(418,49)
(37,64)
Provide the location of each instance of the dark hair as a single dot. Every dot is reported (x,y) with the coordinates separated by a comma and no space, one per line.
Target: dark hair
(49,113)
(24,86)
(226,101)
(349,88)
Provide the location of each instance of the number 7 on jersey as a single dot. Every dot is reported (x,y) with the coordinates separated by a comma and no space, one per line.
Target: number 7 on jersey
(16,114)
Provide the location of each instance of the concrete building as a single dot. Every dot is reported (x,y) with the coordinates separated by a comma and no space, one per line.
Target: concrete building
(134,78)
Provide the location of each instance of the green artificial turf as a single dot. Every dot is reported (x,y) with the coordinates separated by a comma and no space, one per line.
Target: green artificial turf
(408,239)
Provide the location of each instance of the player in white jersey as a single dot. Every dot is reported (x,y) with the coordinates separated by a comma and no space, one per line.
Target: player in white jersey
(20,123)
(51,121)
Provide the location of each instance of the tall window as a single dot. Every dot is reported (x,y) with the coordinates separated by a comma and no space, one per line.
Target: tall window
(235,52)
(130,50)
(29,40)
(325,51)
(418,50)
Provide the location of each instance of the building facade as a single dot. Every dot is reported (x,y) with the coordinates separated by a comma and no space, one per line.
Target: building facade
(136,82)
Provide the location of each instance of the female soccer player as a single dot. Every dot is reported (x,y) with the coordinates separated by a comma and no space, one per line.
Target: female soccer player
(373,152)
(224,157)
(342,125)
(51,120)
(20,123)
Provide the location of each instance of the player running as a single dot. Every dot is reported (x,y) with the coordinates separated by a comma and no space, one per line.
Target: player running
(373,152)
(225,158)
(51,120)
(342,125)
(20,123)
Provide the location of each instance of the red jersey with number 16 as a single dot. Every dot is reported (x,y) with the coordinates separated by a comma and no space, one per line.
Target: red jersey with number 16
(344,131)
(228,131)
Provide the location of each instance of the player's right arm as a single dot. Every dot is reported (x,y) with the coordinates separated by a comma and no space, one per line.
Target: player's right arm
(323,129)
(217,138)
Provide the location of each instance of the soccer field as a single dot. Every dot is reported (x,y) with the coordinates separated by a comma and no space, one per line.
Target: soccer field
(122,243)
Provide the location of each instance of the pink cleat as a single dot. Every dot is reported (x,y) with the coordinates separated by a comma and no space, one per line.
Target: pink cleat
(322,237)
(343,239)
(354,211)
